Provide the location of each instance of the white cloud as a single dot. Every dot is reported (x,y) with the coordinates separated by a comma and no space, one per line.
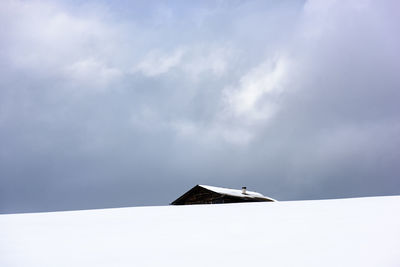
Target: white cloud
(46,40)
(192,60)
(242,108)
(256,96)
(156,63)
(212,59)
(91,73)
(249,105)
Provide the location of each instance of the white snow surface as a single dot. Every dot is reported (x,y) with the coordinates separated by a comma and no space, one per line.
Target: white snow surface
(234,192)
(342,232)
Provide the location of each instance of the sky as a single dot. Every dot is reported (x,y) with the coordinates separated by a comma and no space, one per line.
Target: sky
(132,103)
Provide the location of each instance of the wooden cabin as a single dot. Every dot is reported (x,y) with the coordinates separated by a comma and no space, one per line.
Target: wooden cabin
(205,194)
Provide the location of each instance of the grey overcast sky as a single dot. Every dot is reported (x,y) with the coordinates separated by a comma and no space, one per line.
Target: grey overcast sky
(131,103)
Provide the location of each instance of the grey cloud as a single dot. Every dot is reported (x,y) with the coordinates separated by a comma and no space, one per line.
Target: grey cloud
(115,109)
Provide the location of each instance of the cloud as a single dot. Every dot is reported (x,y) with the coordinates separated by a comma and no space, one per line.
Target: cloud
(90,73)
(131,103)
(264,82)
(192,60)
(155,63)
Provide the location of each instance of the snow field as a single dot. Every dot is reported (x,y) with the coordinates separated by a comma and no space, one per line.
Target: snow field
(341,232)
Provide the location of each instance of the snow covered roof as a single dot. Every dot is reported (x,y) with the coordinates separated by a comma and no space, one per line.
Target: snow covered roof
(206,194)
(235,192)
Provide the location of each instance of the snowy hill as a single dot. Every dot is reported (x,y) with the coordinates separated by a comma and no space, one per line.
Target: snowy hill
(343,232)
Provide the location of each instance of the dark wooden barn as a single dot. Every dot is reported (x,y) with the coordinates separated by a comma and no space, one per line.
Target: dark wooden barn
(205,194)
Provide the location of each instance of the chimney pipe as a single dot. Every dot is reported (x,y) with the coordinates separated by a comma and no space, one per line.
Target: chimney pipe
(244,190)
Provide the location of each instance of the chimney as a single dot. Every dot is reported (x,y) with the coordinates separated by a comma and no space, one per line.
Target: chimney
(244,190)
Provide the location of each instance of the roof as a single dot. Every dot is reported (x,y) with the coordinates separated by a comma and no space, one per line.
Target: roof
(235,192)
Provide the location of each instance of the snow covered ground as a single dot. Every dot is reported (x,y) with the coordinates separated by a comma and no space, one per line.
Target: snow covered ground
(343,232)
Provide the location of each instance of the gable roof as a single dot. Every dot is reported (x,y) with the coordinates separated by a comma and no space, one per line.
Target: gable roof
(227,192)
(235,192)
